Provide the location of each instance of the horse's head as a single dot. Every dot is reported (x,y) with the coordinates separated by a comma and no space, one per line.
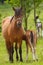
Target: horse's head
(18,16)
(18,12)
(18,22)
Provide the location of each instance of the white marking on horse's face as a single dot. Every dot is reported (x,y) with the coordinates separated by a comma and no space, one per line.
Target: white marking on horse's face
(19,23)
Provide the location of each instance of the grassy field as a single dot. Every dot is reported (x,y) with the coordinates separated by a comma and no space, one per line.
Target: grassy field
(6,10)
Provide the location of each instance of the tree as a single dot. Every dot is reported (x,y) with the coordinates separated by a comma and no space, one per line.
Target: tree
(26,4)
(36,3)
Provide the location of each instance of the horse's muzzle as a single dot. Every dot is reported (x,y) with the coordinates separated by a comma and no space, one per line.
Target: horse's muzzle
(19,24)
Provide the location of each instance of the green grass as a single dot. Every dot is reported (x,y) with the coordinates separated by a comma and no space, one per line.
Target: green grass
(4,55)
(6,10)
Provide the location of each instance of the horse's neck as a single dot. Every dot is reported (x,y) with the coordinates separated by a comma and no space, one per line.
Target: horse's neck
(14,27)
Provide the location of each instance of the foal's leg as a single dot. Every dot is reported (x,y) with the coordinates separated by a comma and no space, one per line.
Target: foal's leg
(34,46)
(34,53)
(16,51)
(20,51)
(32,49)
(10,50)
(26,51)
(28,42)
(36,58)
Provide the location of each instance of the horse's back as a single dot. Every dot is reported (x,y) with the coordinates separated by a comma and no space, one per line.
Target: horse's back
(6,20)
(34,34)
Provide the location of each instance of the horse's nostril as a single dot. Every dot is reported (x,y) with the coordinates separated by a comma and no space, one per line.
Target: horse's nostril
(19,23)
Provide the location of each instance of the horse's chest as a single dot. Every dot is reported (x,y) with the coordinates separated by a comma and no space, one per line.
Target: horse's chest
(16,36)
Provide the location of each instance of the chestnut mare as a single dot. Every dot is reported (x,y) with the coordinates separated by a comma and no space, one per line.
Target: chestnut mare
(31,39)
(13,32)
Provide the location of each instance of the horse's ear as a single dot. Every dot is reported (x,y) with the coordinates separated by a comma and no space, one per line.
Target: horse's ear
(13,8)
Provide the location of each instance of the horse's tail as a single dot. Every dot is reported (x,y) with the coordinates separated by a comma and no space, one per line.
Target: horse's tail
(31,35)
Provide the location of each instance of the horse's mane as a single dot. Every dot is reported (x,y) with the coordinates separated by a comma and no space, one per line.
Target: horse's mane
(12,18)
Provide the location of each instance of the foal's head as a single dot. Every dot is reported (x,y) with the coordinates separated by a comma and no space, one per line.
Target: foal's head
(18,16)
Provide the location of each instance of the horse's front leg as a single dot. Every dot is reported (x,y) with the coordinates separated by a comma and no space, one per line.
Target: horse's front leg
(20,51)
(16,49)
(10,50)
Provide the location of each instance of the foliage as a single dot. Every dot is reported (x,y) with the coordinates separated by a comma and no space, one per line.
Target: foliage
(27,6)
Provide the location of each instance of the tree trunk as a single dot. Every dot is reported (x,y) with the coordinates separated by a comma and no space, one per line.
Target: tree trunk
(25,18)
(23,4)
(34,12)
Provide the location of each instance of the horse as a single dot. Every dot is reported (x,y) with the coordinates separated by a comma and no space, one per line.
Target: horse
(31,39)
(39,27)
(13,31)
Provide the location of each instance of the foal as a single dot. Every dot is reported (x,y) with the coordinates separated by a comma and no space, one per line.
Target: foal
(31,39)
(13,32)
(38,25)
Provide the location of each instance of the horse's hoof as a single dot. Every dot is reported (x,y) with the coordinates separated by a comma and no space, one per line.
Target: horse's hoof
(21,60)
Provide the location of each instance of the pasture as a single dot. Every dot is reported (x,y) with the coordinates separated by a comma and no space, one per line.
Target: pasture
(6,10)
